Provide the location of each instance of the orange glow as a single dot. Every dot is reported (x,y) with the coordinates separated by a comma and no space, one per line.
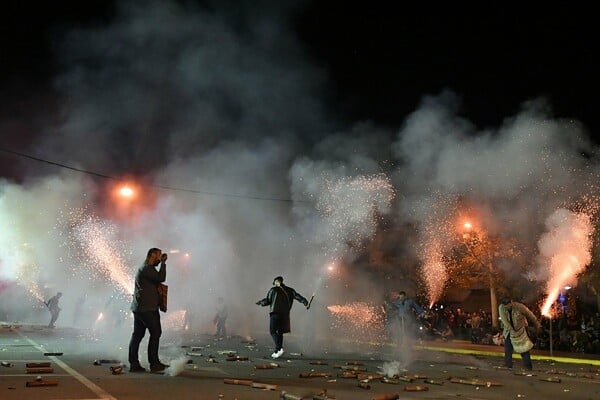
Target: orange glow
(468,225)
(126,192)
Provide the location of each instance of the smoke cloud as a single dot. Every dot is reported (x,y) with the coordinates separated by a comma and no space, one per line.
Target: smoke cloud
(226,105)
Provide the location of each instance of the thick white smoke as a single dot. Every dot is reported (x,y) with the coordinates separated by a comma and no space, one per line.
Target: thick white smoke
(225,103)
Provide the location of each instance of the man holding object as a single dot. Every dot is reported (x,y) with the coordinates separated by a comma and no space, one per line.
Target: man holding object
(145,310)
(280,297)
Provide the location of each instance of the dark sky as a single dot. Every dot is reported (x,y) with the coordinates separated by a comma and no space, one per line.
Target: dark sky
(379,59)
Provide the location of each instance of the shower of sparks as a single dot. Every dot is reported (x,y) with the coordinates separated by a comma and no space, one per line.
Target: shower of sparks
(351,207)
(434,271)
(174,320)
(358,320)
(438,229)
(97,250)
(565,250)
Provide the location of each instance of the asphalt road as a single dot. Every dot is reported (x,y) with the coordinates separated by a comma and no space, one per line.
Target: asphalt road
(200,367)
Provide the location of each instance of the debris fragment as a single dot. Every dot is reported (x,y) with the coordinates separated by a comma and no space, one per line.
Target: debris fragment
(37,364)
(53,354)
(116,370)
(266,386)
(47,370)
(364,385)
(394,396)
(315,374)
(7,364)
(319,362)
(551,379)
(38,383)
(415,388)
(288,396)
(244,382)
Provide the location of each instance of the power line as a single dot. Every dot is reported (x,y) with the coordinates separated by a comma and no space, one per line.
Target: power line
(171,188)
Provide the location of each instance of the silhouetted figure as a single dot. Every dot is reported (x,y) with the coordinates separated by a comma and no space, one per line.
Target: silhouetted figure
(52,305)
(145,311)
(220,318)
(280,298)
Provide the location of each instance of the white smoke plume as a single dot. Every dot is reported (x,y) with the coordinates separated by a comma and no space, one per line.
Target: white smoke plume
(225,104)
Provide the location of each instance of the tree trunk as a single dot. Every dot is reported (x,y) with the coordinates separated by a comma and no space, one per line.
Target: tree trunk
(493,300)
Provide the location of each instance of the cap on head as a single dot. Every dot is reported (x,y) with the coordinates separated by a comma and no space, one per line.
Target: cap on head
(278,278)
(505,300)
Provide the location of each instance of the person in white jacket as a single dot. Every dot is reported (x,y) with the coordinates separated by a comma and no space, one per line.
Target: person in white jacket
(515,317)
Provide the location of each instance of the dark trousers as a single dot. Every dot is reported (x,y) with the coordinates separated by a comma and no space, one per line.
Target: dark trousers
(276,328)
(508,350)
(54,317)
(141,321)
(221,332)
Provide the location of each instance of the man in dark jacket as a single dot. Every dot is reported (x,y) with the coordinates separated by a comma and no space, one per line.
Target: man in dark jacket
(145,311)
(52,305)
(280,299)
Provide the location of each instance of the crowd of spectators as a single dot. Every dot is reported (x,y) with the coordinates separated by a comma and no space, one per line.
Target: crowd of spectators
(570,333)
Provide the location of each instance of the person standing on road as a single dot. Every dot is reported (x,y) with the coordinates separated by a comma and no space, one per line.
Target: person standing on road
(145,311)
(220,318)
(52,305)
(514,317)
(280,298)
(401,314)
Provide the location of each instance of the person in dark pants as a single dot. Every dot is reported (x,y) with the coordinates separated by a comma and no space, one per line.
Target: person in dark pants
(145,311)
(52,305)
(280,299)
(514,317)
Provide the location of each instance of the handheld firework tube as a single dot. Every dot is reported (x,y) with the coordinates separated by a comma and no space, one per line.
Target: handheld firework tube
(267,386)
(348,374)
(394,396)
(237,358)
(244,382)
(551,379)
(265,366)
(37,364)
(364,385)
(310,302)
(415,388)
(315,374)
(351,368)
(474,382)
(289,396)
(362,377)
(40,370)
(38,383)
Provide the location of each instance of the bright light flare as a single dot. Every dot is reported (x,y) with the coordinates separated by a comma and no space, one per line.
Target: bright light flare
(468,226)
(126,192)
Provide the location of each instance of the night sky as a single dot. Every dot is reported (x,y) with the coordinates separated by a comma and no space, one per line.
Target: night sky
(276,137)
(378,60)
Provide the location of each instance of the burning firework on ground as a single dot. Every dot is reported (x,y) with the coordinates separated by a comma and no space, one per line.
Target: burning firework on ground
(359,320)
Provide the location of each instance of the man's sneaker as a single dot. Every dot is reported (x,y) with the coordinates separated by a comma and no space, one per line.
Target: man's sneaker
(277,354)
(160,367)
(274,355)
(137,368)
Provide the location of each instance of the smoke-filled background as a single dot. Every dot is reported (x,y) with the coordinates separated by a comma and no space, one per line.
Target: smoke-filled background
(217,117)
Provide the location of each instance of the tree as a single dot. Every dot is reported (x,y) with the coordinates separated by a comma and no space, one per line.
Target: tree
(474,261)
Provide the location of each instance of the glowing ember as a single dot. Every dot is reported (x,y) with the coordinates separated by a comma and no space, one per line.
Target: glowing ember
(565,250)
